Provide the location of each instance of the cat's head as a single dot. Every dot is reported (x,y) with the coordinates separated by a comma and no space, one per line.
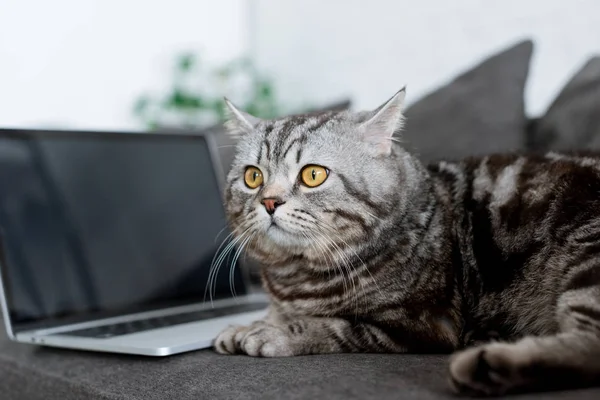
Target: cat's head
(304,184)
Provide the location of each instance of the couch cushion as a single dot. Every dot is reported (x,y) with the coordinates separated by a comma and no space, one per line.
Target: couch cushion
(572,121)
(479,112)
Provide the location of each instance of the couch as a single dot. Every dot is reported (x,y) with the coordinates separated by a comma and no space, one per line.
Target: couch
(478,112)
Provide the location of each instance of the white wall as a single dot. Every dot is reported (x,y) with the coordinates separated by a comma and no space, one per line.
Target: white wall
(325,50)
(82,63)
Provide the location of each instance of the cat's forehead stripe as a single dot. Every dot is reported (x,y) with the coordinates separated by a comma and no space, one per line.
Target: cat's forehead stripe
(299,141)
(282,134)
(320,121)
(291,125)
(266,148)
(294,131)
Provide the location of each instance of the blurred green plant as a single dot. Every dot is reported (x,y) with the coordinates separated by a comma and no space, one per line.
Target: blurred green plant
(195,96)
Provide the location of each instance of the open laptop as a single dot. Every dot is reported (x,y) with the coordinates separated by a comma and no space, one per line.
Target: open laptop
(108,240)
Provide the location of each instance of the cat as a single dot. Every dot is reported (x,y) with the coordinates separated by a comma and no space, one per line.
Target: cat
(365,249)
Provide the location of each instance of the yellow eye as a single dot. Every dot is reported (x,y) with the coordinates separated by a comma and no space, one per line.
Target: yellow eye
(253,177)
(314,175)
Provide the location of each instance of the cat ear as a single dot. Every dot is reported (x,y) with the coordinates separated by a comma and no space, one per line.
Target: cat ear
(384,122)
(238,121)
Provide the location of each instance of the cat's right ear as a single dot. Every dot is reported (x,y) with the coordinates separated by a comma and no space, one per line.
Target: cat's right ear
(384,122)
(238,121)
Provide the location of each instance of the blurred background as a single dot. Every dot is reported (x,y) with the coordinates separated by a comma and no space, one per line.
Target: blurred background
(135,64)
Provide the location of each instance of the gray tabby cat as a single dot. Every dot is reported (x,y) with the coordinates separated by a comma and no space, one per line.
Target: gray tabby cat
(367,250)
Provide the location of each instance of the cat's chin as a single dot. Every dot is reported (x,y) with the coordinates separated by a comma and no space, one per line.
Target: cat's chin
(283,237)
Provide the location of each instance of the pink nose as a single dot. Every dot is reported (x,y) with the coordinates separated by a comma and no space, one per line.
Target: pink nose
(271,204)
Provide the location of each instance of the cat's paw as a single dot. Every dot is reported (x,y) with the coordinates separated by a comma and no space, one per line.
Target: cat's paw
(229,341)
(268,341)
(493,369)
(225,343)
(258,340)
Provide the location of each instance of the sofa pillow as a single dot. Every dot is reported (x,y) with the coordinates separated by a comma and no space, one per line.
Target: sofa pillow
(572,121)
(479,112)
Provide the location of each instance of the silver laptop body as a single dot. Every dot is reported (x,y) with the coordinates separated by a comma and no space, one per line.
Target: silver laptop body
(108,241)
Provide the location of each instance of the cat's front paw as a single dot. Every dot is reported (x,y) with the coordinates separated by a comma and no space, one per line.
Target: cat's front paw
(268,341)
(490,370)
(258,340)
(229,341)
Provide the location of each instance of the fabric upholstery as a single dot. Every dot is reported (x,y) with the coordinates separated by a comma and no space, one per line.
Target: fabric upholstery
(29,372)
(573,120)
(479,112)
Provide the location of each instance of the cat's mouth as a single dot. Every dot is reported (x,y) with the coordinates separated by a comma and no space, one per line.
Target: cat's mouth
(280,225)
(280,234)
(276,227)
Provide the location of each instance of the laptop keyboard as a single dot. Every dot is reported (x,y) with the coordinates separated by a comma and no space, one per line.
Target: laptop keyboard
(125,328)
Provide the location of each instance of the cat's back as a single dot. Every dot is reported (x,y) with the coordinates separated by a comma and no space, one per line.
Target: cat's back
(513,183)
(517,198)
(512,212)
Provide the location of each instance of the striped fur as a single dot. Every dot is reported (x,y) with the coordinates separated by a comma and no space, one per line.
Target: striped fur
(391,256)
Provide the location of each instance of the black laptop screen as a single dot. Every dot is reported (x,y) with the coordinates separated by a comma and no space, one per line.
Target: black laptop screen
(103,223)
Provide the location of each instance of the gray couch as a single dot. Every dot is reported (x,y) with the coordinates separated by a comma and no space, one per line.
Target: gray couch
(480,111)
(27,372)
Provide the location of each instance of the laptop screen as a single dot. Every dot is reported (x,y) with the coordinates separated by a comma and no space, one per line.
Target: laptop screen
(96,224)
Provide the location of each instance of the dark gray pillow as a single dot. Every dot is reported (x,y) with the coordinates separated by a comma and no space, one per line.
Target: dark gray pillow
(573,120)
(479,112)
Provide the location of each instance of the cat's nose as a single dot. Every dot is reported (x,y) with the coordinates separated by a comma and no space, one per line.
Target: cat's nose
(271,204)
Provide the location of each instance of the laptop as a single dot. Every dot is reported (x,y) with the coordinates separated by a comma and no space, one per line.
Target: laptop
(110,242)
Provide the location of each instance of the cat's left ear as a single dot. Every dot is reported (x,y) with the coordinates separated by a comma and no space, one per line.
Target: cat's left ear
(384,122)
(238,121)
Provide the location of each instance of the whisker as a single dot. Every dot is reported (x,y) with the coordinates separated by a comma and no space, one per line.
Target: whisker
(370,214)
(325,250)
(319,255)
(234,262)
(333,262)
(343,260)
(394,139)
(221,231)
(349,269)
(225,256)
(356,273)
(212,264)
(357,256)
(218,259)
